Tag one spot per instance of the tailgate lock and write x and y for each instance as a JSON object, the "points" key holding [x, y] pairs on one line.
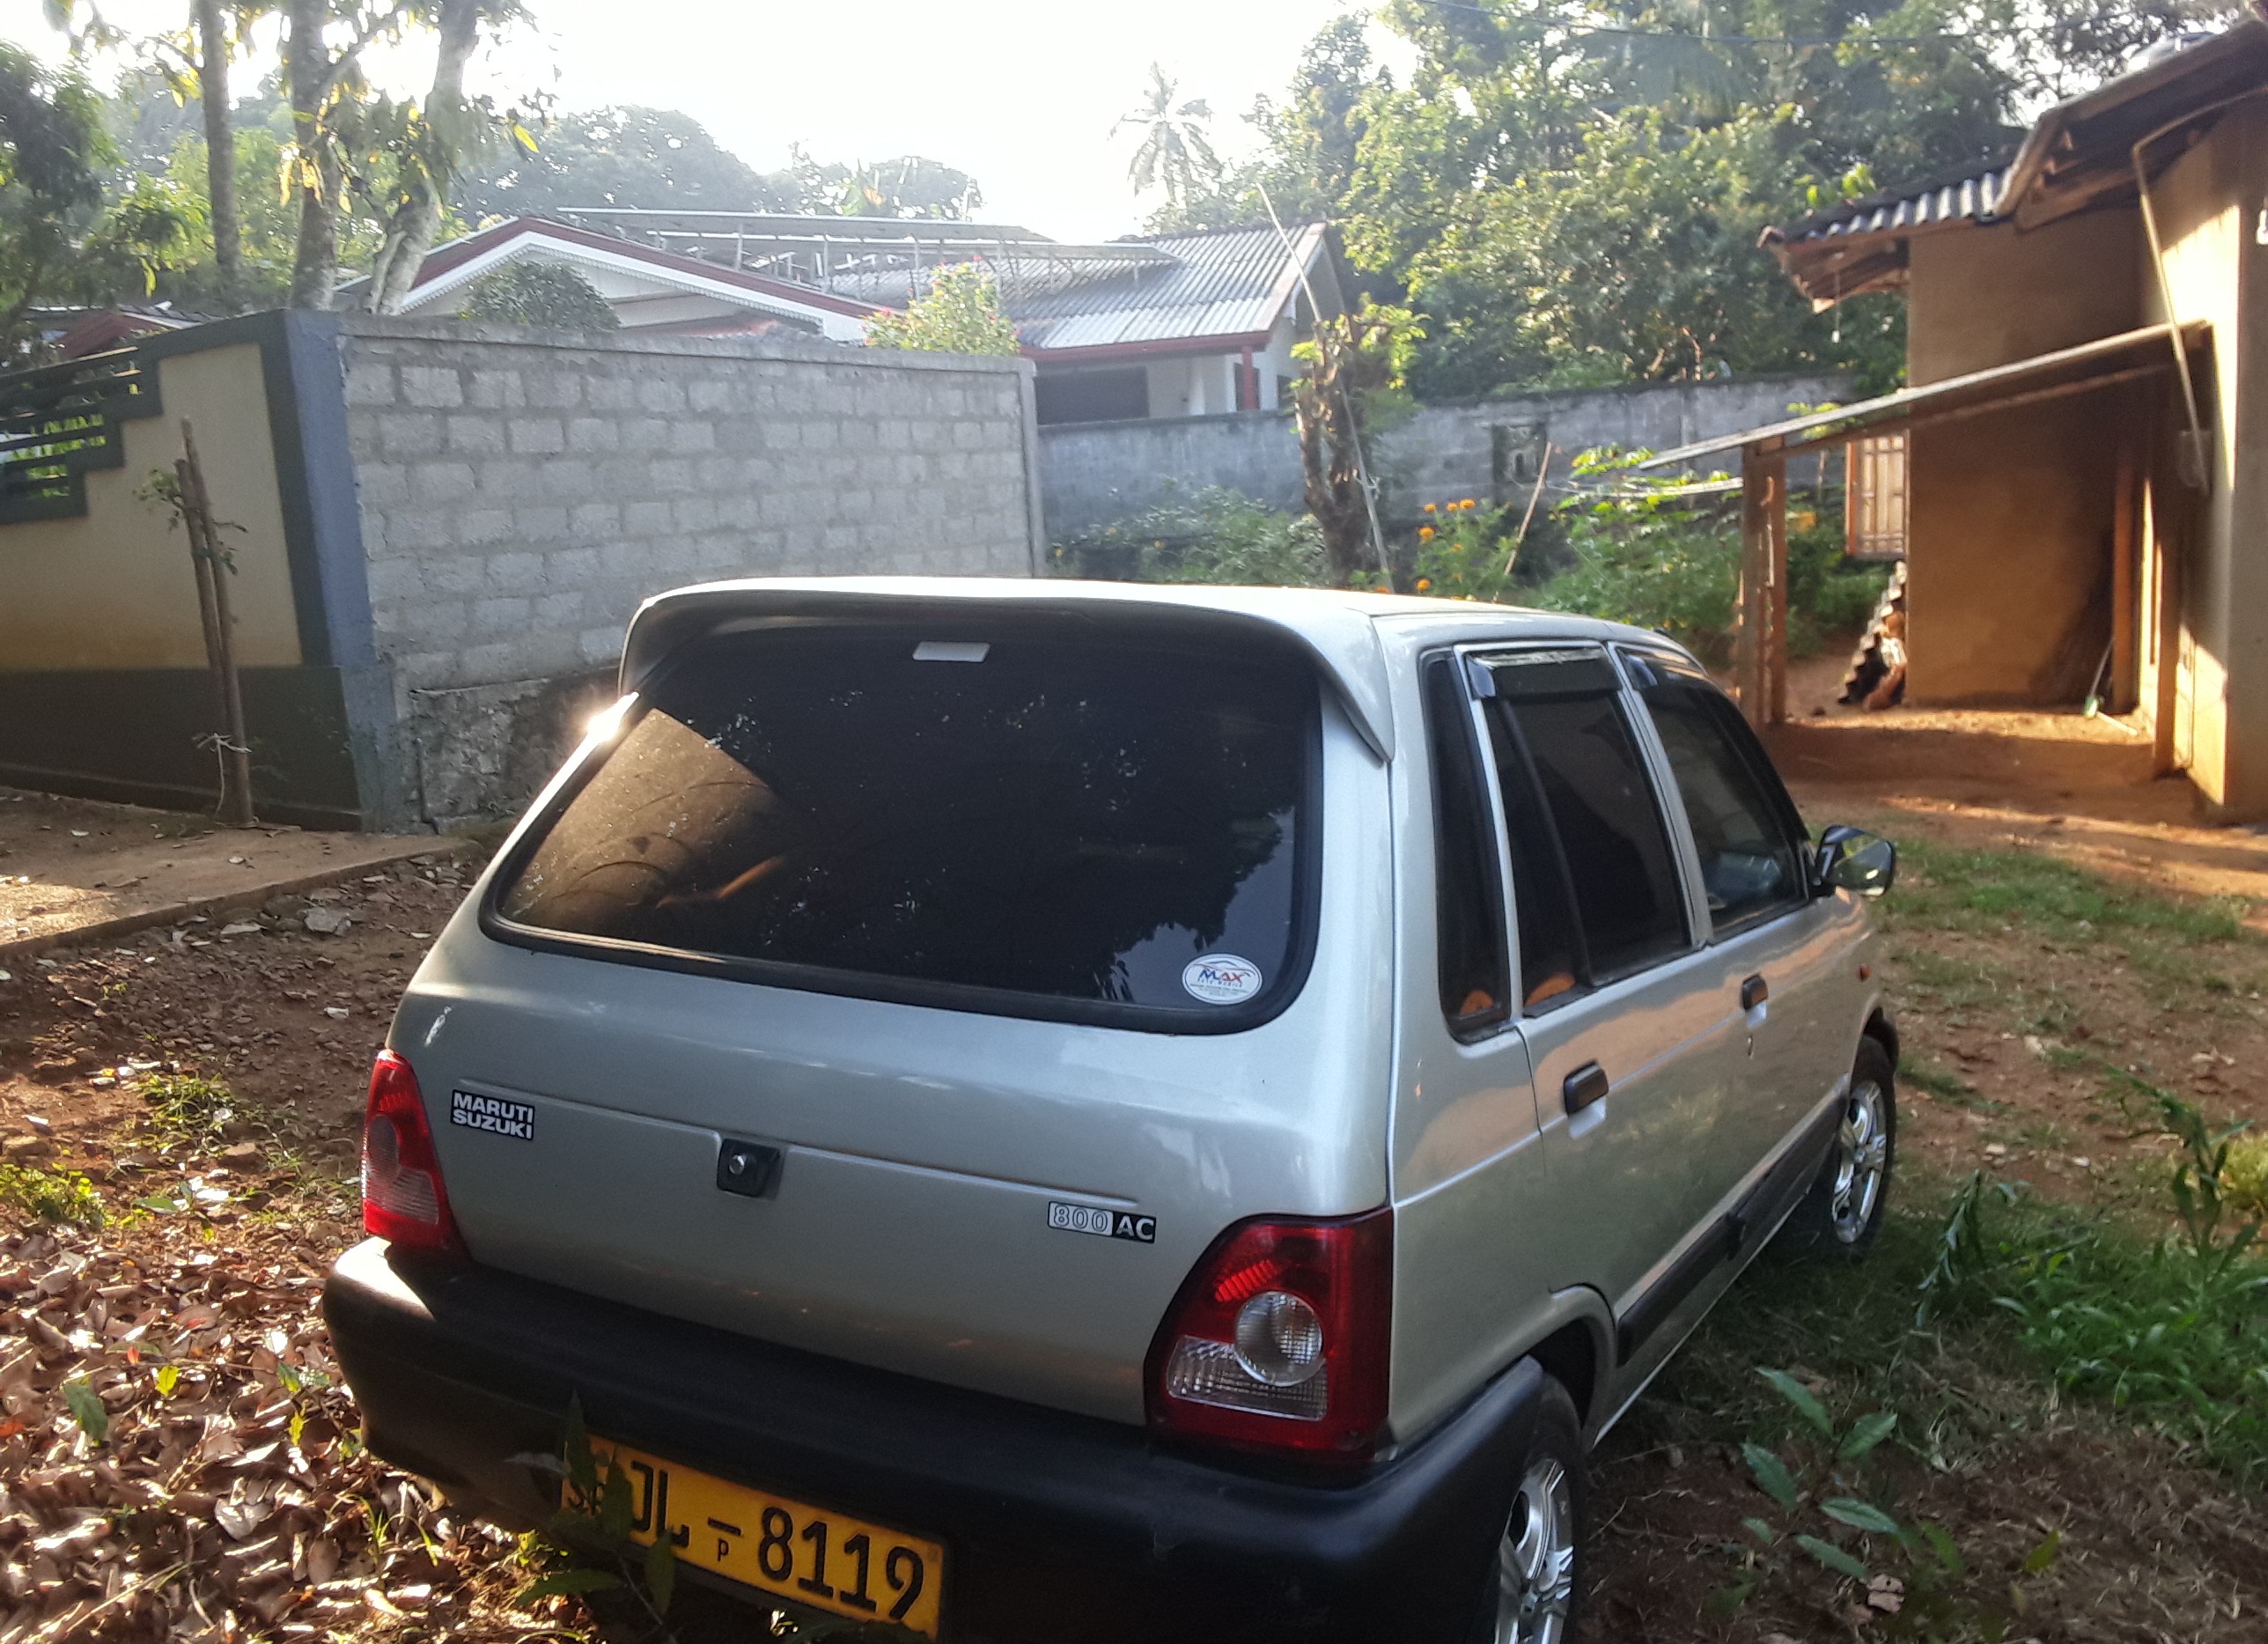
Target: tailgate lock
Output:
{"points": [[749, 1168]]}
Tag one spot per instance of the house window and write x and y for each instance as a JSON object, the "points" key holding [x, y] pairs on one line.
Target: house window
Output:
{"points": [[1093, 396], [1874, 498]]}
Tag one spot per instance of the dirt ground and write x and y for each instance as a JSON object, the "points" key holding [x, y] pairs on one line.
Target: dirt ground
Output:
{"points": [[233, 1502], [70, 868]]}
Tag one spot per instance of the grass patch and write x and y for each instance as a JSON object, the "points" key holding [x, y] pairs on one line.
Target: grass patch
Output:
{"points": [[51, 1196], [1981, 890], [1945, 1085]]}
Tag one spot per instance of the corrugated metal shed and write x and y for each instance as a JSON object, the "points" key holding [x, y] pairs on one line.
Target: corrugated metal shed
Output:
{"points": [[1223, 282]]}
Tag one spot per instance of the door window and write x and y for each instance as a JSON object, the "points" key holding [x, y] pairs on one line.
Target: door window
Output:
{"points": [[1469, 910], [1577, 801], [1749, 863]]}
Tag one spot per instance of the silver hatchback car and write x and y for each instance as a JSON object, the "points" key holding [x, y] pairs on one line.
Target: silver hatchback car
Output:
{"points": [[1030, 1110]]}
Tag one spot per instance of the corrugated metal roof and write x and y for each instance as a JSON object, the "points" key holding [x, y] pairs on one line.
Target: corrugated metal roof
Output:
{"points": [[1972, 198], [1223, 282]]}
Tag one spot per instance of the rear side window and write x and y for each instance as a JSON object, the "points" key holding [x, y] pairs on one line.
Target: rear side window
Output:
{"points": [[1573, 772], [1015, 821], [1740, 827], [1469, 910]]}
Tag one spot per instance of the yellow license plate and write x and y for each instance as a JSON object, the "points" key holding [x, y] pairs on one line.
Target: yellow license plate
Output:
{"points": [[806, 1554]]}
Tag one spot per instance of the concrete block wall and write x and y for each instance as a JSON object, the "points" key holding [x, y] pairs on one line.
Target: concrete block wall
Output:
{"points": [[1096, 474], [519, 493]]}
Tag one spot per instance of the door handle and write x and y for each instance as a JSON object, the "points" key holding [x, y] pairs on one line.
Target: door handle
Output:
{"points": [[1583, 1086], [1754, 992]]}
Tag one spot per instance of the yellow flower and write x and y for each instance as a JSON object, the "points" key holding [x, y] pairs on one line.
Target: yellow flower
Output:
{"points": [[1425, 532], [1468, 503], [1425, 583], [1429, 508]]}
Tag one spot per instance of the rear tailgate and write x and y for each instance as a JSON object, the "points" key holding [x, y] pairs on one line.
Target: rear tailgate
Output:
{"points": [[999, 1184]]}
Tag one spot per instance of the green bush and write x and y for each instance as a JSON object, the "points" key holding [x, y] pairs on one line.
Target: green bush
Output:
{"points": [[547, 294], [1216, 536], [1650, 557]]}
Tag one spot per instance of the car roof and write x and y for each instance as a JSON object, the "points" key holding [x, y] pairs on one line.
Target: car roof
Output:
{"points": [[1338, 627]]}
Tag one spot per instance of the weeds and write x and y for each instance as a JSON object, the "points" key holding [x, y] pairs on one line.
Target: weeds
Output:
{"points": [[1909, 1572], [52, 1197], [2167, 1329]]}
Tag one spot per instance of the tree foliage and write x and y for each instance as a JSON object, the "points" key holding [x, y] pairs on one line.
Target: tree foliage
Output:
{"points": [[534, 294], [655, 158], [1569, 196], [959, 314], [63, 237], [1176, 153]]}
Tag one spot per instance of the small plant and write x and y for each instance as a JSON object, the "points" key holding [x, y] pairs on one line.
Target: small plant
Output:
{"points": [[1910, 1572], [53, 1197], [587, 1547], [190, 1108]]}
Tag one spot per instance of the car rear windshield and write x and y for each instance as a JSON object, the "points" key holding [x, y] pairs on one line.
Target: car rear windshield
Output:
{"points": [[1120, 828]]}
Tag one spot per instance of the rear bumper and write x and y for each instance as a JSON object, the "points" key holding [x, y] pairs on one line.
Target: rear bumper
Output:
{"points": [[1050, 1520]]}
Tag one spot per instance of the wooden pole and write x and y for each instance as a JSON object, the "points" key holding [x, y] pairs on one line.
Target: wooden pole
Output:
{"points": [[1542, 473], [2125, 584], [220, 634], [1775, 647], [1750, 639]]}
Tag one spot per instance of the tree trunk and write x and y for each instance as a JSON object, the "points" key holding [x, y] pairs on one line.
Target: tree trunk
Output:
{"points": [[410, 232], [220, 153], [1329, 455], [315, 174]]}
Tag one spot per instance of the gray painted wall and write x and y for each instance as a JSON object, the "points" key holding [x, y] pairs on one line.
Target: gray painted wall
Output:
{"points": [[519, 493], [1095, 474]]}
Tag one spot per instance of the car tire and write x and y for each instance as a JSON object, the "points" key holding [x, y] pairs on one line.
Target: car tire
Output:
{"points": [[1536, 1576], [1842, 1216]]}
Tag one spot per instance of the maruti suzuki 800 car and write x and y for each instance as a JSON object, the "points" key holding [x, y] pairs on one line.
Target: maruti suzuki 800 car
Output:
{"points": [[1038, 1111]]}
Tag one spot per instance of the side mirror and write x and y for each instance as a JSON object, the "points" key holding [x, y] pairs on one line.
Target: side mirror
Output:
{"points": [[1852, 860]]}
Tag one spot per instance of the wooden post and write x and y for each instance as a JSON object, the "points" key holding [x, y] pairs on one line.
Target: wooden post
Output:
{"points": [[1752, 641], [2125, 583], [213, 572], [1760, 650], [1775, 647]]}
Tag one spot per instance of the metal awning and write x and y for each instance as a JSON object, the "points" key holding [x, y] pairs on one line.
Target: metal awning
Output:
{"points": [[2090, 365]]}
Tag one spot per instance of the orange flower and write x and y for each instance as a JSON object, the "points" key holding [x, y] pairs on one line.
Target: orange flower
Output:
{"points": [[1429, 508], [1425, 583], [1468, 503], [1424, 532]]}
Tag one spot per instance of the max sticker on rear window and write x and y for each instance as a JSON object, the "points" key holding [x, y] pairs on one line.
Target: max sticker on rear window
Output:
{"points": [[493, 1114], [1221, 979]]}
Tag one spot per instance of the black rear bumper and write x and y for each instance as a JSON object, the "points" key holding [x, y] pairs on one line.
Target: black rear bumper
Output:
{"points": [[1055, 1525]]}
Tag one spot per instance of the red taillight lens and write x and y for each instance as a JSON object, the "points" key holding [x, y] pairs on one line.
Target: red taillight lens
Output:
{"points": [[1278, 1340], [402, 1199]]}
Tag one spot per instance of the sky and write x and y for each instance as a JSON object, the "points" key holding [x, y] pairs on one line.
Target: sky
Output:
{"points": [[1020, 93]]}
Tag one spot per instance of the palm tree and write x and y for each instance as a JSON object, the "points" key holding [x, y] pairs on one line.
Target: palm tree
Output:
{"points": [[1174, 153]]}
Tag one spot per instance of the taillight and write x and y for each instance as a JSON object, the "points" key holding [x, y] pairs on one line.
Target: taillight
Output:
{"points": [[402, 1199], [1279, 1339]]}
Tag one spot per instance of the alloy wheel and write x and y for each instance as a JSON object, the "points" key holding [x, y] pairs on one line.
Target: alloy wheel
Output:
{"points": [[1862, 1152], [1536, 1564]]}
